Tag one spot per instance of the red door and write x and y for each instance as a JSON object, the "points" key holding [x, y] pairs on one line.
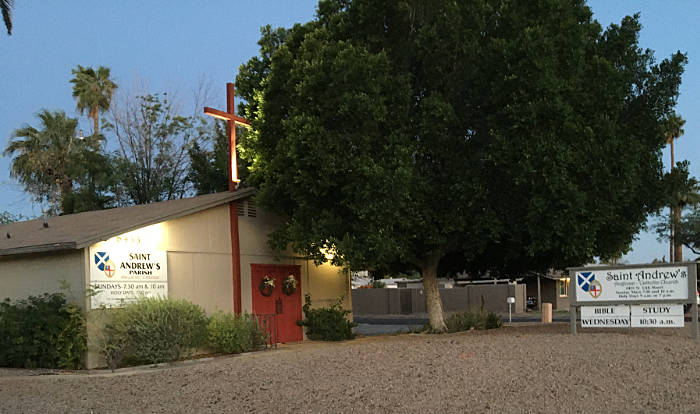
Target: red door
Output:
{"points": [[286, 306]]}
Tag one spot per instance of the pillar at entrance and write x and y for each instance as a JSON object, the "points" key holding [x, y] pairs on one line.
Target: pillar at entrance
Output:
{"points": [[546, 313]]}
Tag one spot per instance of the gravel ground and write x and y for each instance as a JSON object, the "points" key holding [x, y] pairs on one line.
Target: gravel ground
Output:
{"points": [[523, 368]]}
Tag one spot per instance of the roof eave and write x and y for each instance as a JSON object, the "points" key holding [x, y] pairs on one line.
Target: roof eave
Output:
{"points": [[41, 248], [237, 195]]}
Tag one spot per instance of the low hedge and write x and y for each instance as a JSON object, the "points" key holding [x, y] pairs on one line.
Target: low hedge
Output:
{"points": [[480, 319], [42, 332], [151, 330], [233, 334]]}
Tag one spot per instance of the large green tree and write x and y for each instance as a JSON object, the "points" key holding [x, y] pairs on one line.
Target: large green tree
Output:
{"points": [[498, 136], [93, 91]]}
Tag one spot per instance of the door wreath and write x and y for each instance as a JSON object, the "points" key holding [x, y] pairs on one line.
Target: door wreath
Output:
{"points": [[289, 285], [267, 285]]}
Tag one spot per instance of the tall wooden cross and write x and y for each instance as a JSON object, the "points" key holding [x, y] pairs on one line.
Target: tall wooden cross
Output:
{"points": [[231, 120]]}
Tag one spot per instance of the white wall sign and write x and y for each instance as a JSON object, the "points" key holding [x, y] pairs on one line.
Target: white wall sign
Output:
{"points": [[616, 316], [121, 274], [632, 284], [657, 316]]}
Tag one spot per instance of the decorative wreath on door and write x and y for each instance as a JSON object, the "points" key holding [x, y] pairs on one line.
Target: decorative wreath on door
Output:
{"points": [[267, 285], [289, 285]]}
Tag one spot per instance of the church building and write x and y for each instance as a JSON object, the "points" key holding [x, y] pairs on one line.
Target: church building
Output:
{"points": [[211, 250]]}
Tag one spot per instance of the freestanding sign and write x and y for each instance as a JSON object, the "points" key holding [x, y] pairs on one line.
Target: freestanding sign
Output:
{"points": [[634, 296], [632, 284], [121, 275]]}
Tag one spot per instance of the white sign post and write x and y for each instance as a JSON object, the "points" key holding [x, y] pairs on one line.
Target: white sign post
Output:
{"points": [[511, 301], [122, 275]]}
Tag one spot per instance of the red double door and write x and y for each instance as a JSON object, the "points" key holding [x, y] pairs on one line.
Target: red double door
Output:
{"points": [[286, 307]]}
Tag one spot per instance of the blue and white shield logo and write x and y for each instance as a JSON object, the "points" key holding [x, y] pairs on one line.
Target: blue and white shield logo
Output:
{"points": [[584, 280], [101, 259]]}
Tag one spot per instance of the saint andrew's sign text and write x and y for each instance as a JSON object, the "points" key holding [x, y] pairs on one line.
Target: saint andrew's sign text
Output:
{"points": [[121, 275], [632, 284]]}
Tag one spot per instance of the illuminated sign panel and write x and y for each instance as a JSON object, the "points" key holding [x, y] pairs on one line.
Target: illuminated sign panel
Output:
{"points": [[125, 268]]}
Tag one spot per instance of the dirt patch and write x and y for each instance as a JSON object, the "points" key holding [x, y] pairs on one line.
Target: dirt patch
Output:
{"points": [[531, 368]]}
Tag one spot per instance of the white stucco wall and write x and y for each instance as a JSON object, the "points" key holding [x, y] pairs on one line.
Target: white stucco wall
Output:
{"points": [[198, 250], [35, 274]]}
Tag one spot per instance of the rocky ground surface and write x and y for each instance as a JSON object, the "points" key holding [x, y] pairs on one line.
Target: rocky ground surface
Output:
{"points": [[523, 368]]}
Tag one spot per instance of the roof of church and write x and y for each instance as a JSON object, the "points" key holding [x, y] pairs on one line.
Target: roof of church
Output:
{"points": [[75, 231]]}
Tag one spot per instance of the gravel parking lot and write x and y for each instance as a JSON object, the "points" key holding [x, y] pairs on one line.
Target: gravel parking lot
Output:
{"points": [[524, 368]]}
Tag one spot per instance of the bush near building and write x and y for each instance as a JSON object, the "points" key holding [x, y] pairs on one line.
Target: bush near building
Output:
{"points": [[42, 332], [480, 319], [152, 330], [327, 324], [233, 334]]}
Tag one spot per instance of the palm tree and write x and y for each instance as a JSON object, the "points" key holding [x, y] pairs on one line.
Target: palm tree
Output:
{"points": [[93, 91], [681, 192], [674, 129], [42, 157], [6, 7]]}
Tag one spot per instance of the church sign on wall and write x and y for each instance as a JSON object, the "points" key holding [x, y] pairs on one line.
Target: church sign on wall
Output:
{"points": [[120, 275]]}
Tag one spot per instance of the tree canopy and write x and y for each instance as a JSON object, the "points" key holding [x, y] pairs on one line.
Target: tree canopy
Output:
{"points": [[505, 136], [93, 91]]}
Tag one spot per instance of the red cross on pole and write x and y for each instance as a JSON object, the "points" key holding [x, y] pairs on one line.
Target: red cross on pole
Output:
{"points": [[231, 120]]}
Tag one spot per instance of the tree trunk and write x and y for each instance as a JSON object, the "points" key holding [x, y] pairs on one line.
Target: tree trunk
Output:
{"points": [[96, 119], [677, 245], [672, 253], [432, 294]]}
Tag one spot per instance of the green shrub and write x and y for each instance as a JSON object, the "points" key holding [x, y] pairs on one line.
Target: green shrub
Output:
{"points": [[377, 284], [327, 324], [152, 330], [473, 320], [233, 334], [42, 332]]}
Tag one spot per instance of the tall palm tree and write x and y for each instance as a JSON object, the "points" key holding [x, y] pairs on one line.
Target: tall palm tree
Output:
{"points": [[6, 8], [674, 129], [93, 91], [41, 160], [682, 191]]}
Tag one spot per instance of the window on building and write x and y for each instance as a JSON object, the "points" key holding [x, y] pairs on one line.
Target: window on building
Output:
{"points": [[563, 287]]}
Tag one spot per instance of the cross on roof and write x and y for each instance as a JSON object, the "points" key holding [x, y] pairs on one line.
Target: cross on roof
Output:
{"points": [[231, 120]]}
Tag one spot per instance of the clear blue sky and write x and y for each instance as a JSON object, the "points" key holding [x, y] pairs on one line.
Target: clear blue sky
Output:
{"points": [[171, 45]]}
